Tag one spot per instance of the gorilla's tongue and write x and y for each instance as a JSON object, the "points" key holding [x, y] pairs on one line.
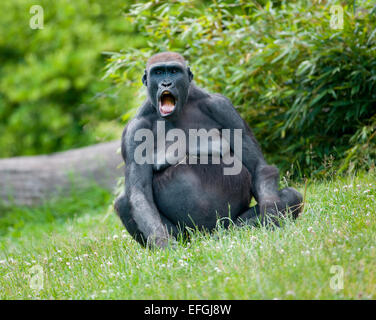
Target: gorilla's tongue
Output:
{"points": [[167, 103]]}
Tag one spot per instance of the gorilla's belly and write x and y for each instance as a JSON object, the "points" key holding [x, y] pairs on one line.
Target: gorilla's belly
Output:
{"points": [[196, 195]]}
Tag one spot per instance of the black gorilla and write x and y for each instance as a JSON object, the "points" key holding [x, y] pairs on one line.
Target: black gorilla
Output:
{"points": [[166, 192]]}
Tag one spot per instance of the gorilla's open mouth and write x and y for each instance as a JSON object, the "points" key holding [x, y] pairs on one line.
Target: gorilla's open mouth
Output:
{"points": [[166, 103]]}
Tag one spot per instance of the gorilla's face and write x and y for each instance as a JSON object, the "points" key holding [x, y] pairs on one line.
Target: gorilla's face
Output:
{"points": [[168, 85]]}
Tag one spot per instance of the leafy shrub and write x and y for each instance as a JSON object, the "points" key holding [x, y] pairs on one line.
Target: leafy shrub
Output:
{"points": [[51, 93], [306, 89]]}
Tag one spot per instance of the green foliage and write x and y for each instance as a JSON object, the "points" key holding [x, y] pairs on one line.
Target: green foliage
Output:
{"points": [[51, 93], [306, 89]]}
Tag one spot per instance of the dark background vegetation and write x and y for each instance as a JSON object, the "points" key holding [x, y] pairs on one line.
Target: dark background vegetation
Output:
{"points": [[307, 90]]}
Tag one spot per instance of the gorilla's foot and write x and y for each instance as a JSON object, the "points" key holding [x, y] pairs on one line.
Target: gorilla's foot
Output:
{"points": [[293, 200], [290, 201]]}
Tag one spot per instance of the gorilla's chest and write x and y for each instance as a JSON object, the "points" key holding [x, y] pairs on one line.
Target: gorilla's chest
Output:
{"points": [[199, 141]]}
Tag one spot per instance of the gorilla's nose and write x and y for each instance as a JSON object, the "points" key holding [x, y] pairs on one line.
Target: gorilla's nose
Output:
{"points": [[166, 84]]}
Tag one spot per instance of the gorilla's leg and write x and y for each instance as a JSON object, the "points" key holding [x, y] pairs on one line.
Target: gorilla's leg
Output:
{"points": [[123, 210], [292, 201]]}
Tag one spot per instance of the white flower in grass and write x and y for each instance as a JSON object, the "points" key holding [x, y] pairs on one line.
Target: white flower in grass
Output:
{"points": [[59, 259], [335, 190], [367, 191], [182, 263], [115, 237], [109, 263]]}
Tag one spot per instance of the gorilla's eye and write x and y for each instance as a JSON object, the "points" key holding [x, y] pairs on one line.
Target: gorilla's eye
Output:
{"points": [[174, 71], [158, 72]]}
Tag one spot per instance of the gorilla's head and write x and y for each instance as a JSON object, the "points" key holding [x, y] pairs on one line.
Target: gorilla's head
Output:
{"points": [[167, 79]]}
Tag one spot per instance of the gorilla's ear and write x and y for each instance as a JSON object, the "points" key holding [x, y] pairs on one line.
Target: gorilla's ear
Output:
{"points": [[190, 74], [144, 78]]}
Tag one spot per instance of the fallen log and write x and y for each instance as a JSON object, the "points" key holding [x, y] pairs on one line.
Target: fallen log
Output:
{"points": [[30, 180]]}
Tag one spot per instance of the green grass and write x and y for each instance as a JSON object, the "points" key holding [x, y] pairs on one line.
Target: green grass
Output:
{"points": [[86, 254]]}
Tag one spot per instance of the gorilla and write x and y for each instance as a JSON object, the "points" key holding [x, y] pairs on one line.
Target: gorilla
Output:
{"points": [[165, 194]]}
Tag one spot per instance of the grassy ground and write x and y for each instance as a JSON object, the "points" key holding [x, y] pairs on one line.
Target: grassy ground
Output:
{"points": [[83, 253]]}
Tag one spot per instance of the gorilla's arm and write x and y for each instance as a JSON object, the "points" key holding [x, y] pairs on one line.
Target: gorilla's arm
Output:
{"points": [[139, 193], [265, 178]]}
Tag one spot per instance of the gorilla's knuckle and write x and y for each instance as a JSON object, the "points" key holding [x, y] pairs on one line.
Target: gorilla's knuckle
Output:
{"points": [[293, 193]]}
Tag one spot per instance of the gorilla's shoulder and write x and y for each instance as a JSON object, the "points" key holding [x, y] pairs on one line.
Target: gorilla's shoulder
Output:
{"points": [[143, 119], [198, 94], [145, 111], [219, 98]]}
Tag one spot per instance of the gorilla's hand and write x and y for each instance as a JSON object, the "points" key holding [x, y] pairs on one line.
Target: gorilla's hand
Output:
{"points": [[160, 239], [271, 210]]}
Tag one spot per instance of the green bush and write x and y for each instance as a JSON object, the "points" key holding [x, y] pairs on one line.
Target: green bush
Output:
{"points": [[306, 89], [51, 93]]}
